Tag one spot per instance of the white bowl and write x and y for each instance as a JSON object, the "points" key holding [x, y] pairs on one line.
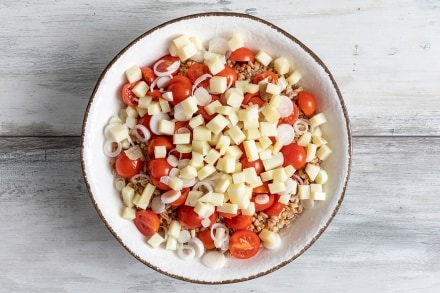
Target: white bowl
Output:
{"points": [[259, 34]]}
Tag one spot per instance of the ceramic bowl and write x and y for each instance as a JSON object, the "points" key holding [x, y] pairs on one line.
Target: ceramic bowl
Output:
{"points": [[258, 34]]}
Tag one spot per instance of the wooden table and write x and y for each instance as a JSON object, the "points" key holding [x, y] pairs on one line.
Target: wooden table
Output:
{"points": [[385, 55]]}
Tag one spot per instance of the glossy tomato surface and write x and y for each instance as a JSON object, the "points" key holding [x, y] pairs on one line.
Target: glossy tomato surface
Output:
{"points": [[127, 168], [244, 244], [147, 222]]}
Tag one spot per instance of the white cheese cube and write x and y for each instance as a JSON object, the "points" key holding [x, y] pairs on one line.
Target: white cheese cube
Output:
{"points": [[217, 124], [317, 131], [264, 140], [154, 108], [205, 171], [304, 191], [164, 106], [175, 183], [128, 213], [276, 187], [315, 187], [263, 57], [224, 110], [236, 191], [140, 89], [145, 198], [215, 64], [181, 41], [156, 240], [312, 171], [252, 133], [181, 138], [160, 151], [234, 97], [236, 134], [233, 151], [276, 161], [118, 133], [218, 84], [230, 208], [196, 121], [196, 160], [311, 152], [279, 175], [201, 133], [189, 172], [193, 197], [189, 105], [318, 195], [168, 96], [304, 139], [174, 229], [184, 148], [271, 114], [214, 198], [133, 74], [250, 210], [267, 175], [265, 154], [233, 119], [235, 42], [223, 143], [171, 243], [317, 120], [281, 65], [322, 177], [252, 88], [166, 127], [284, 198], [251, 150], [204, 210], [187, 51], [324, 152], [294, 78], [238, 177], [273, 89], [222, 185], [228, 165], [290, 170], [212, 156], [318, 140], [127, 194], [200, 146], [241, 85], [144, 101]]}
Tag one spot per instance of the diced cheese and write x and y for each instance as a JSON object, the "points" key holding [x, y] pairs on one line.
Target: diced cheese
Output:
{"points": [[153, 108], [144, 101], [276, 161], [156, 240], [271, 114], [189, 105], [140, 89], [279, 175], [164, 106], [233, 151], [294, 78], [214, 198], [166, 127], [225, 110], [267, 175], [264, 140], [318, 195], [187, 51], [227, 164], [235, 42], [193, 197], [250, 150], [317, 120], [250, 210], [171, 243], [304, 191], [118, 133], [312, 171], [315, 187], [189, 172], [217, 124], [201, 133], [290, 170], [276, 187], [200, 146], [234, 97], [238, 177], [174, 229], [215, 64], [230, 208], [222, 185], [181, 41], [196, 121], [251, 88], [218, 84], [252, 133], [284, 198], [204, 210], [145, 198], [311, 152], [281, 65], [304, 139], [184, 148], [263, 57], [265, 154], [212, 156], [160, 151], [272, 89], [322, 177], [223, 143], [128, 213], [127, 194], [181, 138], [236, 134], [324, 152], [205, 171], [133, 74], [196, 160], [175, 183]]}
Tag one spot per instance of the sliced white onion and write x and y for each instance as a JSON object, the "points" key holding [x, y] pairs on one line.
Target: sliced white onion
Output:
{"points": [[202, 96], [186, 252], [163, 81], [189, 182], [119, 183], [182, 130], [183, 163], [218, 45], [179, 113], [173, 161], [184, 236], [108, 146], [285, 133], [298, 179], [203, 184], [262, 198], [155, 119], [199, 248], [164, 179], [157, 205], [286, 107], [220, 234], [214, 259], [170, 69], [170, 196], [300, 126], [200, 79], [275, 244], [146, 135]]}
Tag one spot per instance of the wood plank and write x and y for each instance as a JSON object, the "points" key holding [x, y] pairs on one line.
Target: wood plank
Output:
{"points": [[384, 238], [384, 54]]}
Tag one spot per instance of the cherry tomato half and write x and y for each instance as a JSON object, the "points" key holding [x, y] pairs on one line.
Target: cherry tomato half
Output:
{"points": [[271, 76], [229, 73], [127, 168], [205, 237], [205, 114], [291, 119], [160, 140], [195, 71], [181, 89], [294, 155], [128, 97], [147, 222], [253, 99], [276, 208], [244, 244], [163, 64], [264, 188], [262, 206], [182, 199], [190, 219], [307, 102], [159, 185], [238, 222], [159, 167], [242, 54], [148, 75], [257, 164]]}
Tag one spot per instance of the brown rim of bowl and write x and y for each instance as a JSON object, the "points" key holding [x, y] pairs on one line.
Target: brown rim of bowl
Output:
{"points": [[341, 101]]}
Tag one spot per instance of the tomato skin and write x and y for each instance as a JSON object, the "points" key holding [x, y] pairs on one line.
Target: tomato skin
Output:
{"points": [[160, 140], [127, 168], [205, 114], [205, 237], [180, 89], [159, 185], [271, 76], [291, 119], [238, 222], [182, 199], [262, 207], [257, 164], [155, 94], [242, 54], [190, 219], [148, 75], [195, 71], [264, 188], [229, 73], [147, 222], [294, 155], [276, 208], [244, 244], [307, 103], [159, 167], [253, 99], [166, 61], [128, 97]]}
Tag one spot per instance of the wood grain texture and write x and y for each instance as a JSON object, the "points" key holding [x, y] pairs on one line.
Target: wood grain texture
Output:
{"points": [[384, 239], [383, 54]]}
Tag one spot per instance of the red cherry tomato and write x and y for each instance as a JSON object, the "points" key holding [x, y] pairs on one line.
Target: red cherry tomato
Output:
{"points": [[205, 237], [162, 65], [244, 244], [229, 73], [127, 168], [242, 54], [205, 114], [294, 155], [155, 94], [190, 219], [148, 75], [181, 89], [307, 103], [181, 200], [264, 188], [238, 222], [291, 118], [226, 215], [195, 71], [128, 97], [160, 140], [182, 79], [276, 208], [159, 167], [262, 206], [159, 185], [147, 222], [271, 76], [257, 164], [253, 99]]}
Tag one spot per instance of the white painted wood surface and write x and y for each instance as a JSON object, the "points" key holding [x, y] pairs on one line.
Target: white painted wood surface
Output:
{"points": [[385, 55]]}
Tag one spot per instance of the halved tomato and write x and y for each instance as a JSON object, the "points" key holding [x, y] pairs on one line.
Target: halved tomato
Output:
{"points": [[242, 54], [244, 244]]}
